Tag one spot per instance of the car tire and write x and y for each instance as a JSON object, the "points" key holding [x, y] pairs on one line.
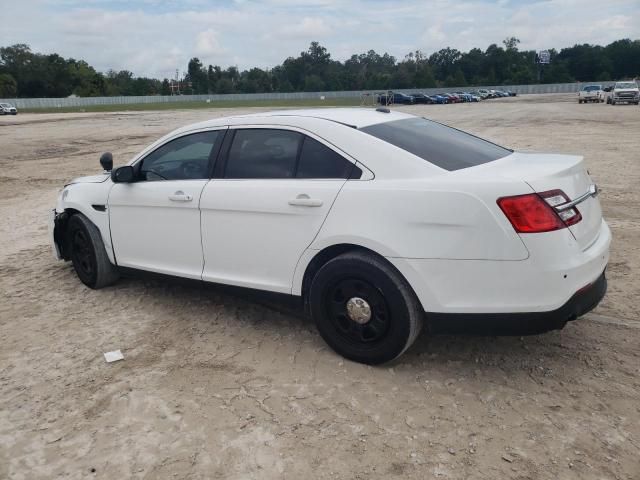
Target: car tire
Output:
{"points": [[88, 254], [353, 285]]}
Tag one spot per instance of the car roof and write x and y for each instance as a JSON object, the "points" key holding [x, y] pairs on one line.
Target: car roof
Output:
{"points": [[352, 117]]}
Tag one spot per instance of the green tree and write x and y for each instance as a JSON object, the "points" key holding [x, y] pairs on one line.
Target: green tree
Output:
{"points": [[8, 86]]}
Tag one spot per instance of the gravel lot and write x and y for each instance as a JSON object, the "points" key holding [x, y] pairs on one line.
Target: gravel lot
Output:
{"points": [[219, 384]]}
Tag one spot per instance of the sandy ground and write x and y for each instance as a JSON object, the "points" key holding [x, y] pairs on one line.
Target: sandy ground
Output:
{"points": [[218, 385]]}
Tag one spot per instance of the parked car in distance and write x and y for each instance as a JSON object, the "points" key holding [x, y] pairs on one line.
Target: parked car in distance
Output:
{"points": [[396, 98], [451, 98], [441, 99], [485, 94], [623, 92], [421, 98], [462, 96], [8, 109], [589, 93], [602, 94], [377, 220]]}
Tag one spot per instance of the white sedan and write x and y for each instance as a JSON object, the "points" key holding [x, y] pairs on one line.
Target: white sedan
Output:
{"points": [[380, 221]]}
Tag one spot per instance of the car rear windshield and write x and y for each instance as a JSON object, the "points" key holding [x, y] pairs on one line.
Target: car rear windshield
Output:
{"points": [[443, 146]]}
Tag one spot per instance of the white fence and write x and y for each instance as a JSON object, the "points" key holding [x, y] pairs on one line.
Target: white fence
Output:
{"points": [[90, 101]]}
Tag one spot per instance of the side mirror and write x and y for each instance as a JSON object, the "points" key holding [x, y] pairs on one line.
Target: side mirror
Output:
{"points": [[106, 160], [123, 174]]}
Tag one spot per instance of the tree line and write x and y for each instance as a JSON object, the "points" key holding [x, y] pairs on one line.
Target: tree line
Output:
{"points": [[24, 73]]}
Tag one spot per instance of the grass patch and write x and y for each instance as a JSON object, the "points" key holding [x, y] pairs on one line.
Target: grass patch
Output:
{"points": [[182, 105]]}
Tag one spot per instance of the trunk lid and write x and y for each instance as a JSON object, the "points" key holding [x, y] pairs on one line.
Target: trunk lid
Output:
{"points": [[544, 172]]}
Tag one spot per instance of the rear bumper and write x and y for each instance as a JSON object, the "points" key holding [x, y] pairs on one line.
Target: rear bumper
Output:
{"points": [[527, 323], [556, 269]]}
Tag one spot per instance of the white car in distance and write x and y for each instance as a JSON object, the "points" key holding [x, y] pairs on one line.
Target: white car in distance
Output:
{"points": [[379, 221], [8, 109], [590, 93]]}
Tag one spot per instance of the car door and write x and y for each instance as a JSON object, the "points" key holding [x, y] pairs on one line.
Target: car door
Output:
{"points": [[155, 220], [268, 201]]}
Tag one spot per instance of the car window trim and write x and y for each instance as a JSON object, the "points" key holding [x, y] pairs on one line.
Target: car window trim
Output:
{"points": [[223, 157]]}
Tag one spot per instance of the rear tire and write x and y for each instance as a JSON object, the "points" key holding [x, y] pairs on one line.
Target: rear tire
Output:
{"points": [[364, 309], [88, 254]]}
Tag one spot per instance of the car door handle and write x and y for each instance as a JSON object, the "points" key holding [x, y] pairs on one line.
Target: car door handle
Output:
{"points": [[303, 200], [180, 196]]}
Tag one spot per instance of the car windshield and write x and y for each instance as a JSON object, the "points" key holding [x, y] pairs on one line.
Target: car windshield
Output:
{"points": [[5, 105], [443, 146], [626, 85], [591, 88]]}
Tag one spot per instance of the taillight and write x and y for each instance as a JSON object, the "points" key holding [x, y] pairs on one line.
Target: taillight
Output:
{"points": [[556, 198], [537, 213]]}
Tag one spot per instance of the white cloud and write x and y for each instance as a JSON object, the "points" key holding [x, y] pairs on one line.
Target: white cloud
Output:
{"points": [[154, 37], [307, 28], [207, 44]]}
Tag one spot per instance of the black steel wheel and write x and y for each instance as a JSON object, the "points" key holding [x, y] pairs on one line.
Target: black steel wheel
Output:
{"points": [[88, 254], [364, 309], [357, 310], [82, 254]]}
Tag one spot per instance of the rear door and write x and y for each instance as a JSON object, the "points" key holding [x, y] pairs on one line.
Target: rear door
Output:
{"points": [[274, 190]]}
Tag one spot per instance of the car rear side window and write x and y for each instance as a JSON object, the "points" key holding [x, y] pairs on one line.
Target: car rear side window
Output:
{"points": [[274, 153], [318, 161], [438, 144], [263, 153]]}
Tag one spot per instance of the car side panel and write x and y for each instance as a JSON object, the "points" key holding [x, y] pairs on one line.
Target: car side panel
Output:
{"points": [[422, 219]]}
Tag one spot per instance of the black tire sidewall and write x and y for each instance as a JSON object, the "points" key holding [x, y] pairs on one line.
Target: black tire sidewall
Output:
{"points": [[399, 332], [75, 224]]}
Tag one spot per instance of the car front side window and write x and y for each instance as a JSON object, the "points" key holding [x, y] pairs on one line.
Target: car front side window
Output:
{"points": [[185, 158]]}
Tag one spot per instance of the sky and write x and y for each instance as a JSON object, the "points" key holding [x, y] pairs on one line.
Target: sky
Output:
{"points": [[156, 37]]}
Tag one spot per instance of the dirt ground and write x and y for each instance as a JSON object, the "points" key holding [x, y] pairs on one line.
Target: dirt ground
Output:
{"points": [[218, 385]]}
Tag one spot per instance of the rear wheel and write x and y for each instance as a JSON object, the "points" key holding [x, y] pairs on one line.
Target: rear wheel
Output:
{"points": [[88, 253], [364, 309]]}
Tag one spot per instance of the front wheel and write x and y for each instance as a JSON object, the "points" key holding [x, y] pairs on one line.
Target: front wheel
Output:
{"points": [[88, 254], [364, 309]]}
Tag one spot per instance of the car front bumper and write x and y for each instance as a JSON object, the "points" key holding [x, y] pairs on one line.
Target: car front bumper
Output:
{"points": [[626, 99], [51, 224]]}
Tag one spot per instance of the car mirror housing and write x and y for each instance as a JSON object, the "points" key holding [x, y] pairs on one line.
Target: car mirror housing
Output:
{"points": [[106, 160], [123, 174]]}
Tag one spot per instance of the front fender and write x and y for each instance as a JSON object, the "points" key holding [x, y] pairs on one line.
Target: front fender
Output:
{"points": [[90, 199]]}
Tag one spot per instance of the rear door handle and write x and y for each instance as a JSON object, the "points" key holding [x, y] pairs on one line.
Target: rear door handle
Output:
{"points": [[180, 196], [303, 200]]}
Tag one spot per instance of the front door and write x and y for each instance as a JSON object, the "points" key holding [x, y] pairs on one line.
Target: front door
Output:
{"points": [[275, 191], [155, 221]]}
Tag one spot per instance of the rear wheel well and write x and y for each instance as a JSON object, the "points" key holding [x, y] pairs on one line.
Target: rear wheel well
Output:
{"points": [[329, 253]]}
